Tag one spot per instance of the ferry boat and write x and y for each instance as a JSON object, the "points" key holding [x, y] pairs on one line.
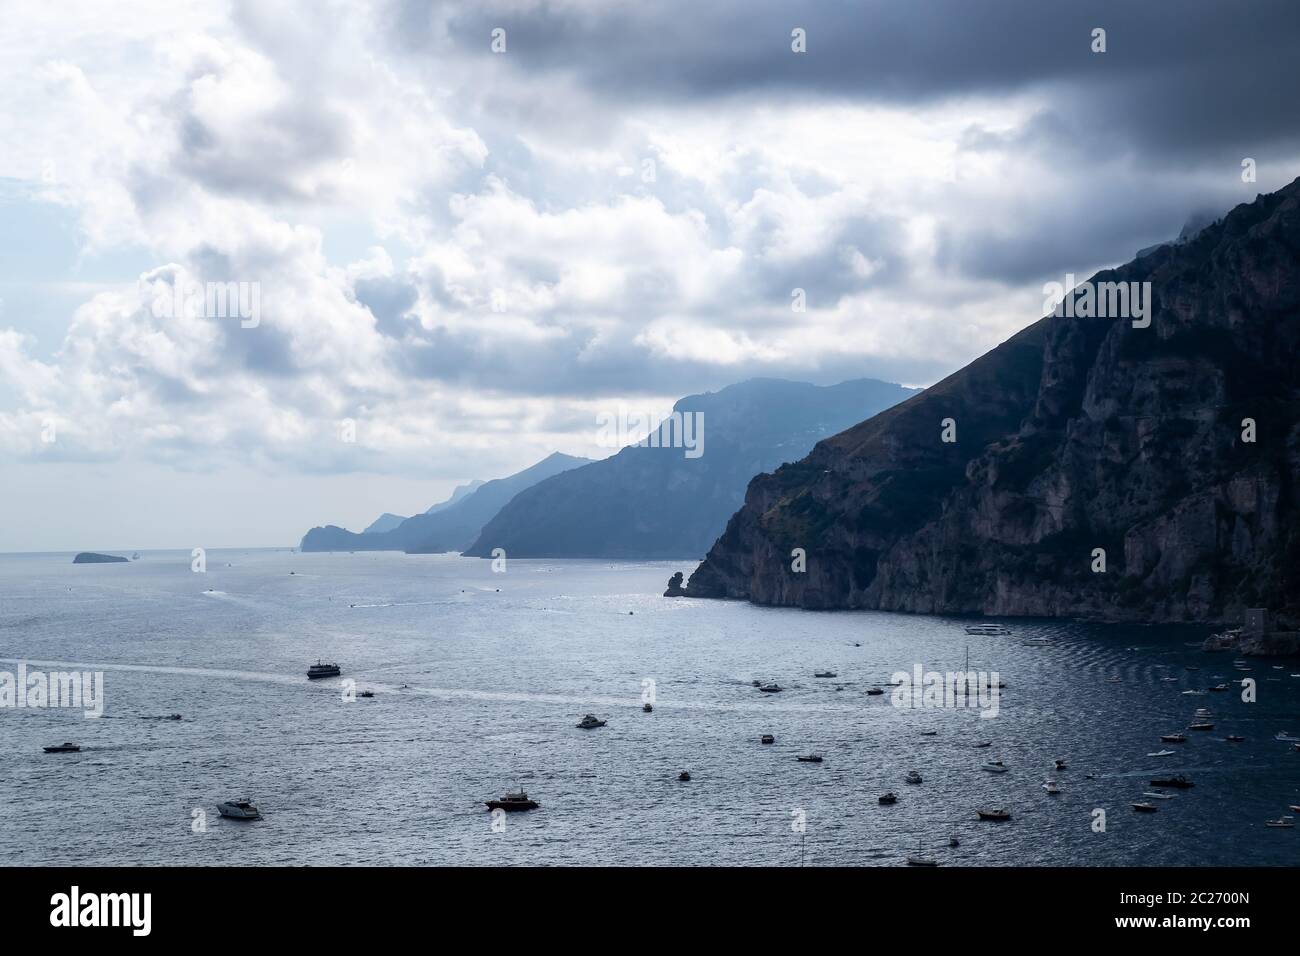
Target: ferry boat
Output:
{"points": [[987, 630], [239, 810], [323, 670]]}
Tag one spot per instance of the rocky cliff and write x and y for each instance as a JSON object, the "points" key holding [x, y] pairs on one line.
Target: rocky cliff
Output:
{"points": [[661, 502], [1076, 434]]}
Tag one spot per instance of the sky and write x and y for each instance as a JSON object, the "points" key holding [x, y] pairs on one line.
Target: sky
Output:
{"points": [[463, 232]]}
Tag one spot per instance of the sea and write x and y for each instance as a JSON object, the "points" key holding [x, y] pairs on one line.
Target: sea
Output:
{"points": [[480, 675]]}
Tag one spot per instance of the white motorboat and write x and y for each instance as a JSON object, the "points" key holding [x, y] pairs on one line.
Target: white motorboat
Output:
{"points": [[1285, 737], [1286, 822], [1159, 795], [995, 766], [1161, 753], [239, 810]]}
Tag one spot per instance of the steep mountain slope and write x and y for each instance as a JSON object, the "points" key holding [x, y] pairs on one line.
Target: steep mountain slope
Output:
{"points": [[1075, 434], [449, 528], [655, 502]]}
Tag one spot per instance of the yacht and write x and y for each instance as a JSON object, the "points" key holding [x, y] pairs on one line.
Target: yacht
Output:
{"points": [[1173, 738], [1145, 807], [994, 813], [513, 801], [912, 777], [995, 766], [1178, 782], [987, 630], [67, 747], [323, 670], [770, 688], [1051, 787], [809, 758], [889, 797], [590, 722], [239, 810]]}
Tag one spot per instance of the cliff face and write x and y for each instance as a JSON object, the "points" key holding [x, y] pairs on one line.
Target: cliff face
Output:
{"points": [[1075, 434], [655, 502]]}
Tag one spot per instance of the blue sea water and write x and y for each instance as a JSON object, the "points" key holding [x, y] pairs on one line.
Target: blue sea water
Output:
{"points": [[480, 677]]}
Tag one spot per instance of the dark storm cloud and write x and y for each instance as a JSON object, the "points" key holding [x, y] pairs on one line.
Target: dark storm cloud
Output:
{"points": [[1176, 77]]}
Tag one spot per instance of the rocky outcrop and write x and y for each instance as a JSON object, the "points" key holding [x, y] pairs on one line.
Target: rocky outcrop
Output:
{"points": [[90, 557], [675, 588], [1077, 434]]}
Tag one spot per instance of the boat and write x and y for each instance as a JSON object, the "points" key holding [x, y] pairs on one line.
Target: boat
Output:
{"points": [[953, 841], [239, 810], [1173, 738], [981, 744], [1201, 726], [1145, 807], [767, 739], [1234, 738], [929, 733], [1193, 693], [1159, 795], [1169, 680], [809, 758], [912, 777], [365, 693], [824, 674], [770, 688], [1178, 782], [1061, 765], [135, 556], [994, 766], [1051, 787], [648, 708], [1035, 642], [684, 776], [1285, 736], [987, 630], [590, 722], [323, 670], [1219, 687], [1295, 807], [874, 691], [889, 797], [1161, 753], [916, 859], [1203, 712], [1287, 821], [996, 813], [67, 747], [512, 802], [1114, 679]]}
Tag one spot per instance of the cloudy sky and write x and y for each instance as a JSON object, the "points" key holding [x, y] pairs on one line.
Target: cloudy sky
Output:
{"points": [[471, 253]]}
